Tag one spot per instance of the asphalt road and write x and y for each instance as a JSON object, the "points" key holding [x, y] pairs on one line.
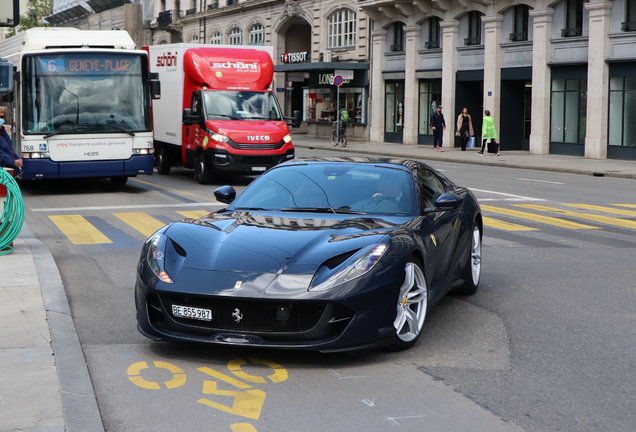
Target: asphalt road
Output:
{"points": [[548, 342]]}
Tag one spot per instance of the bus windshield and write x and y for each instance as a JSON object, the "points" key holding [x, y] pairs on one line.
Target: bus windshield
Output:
{"points": [[241, 105], [84, 93]]}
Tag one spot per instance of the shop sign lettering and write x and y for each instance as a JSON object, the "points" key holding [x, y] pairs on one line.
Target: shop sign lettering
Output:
{"points": [[297, 57], [328, 79]]}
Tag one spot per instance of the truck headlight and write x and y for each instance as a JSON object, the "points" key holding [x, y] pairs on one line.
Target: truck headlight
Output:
{"points": [[219, 137], [287, 139]]}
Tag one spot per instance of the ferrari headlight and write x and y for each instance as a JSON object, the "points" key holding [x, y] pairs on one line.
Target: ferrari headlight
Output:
{"points": [[360, 263], [156, 257], [219, 137], [287, 138]]}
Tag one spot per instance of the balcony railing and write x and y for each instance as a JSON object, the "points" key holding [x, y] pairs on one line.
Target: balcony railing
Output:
{"points": [[164, 18], [571, 32], [472, 41], [431, 44], [232, 2], [190, 11], [214, 5], [518, 37], [396, 47], [628, 26]]}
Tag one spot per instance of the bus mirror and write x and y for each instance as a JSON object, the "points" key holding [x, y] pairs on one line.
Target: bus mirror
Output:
{"points": [[155, 89], [6, 76], [10, 13]]}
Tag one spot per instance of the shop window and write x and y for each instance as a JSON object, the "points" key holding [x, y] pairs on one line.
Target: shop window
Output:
{"points": [[622, 111], [573, 18], [433, 33], [569, 110], [394, 107], [235, 36], [520, 21], [257, 35], [342, 29], [319, 104], [429, 98], [630, 15], [216, 38], [397, 30], [474, 29]]}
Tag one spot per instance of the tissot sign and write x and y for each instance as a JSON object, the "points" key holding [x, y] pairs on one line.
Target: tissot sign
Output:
{"points": [[297, 57]]}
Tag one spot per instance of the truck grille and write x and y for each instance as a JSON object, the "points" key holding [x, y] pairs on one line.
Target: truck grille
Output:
{"points": [[264, 146]]}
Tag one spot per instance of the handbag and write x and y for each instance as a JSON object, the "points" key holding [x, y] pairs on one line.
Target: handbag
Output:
{"points": [[470, 142]]}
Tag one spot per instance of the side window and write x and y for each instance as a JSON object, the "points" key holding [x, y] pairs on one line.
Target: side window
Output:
{"points": [[197, 104], [430, 188]]}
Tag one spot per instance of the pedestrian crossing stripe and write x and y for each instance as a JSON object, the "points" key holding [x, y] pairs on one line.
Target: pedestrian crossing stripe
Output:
{"points": [[194, 214], [506, 226], [623, 223], [78, 230], [604, 209], [142, 222], [537, 218]]}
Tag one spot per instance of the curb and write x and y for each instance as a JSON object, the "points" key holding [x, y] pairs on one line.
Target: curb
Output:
{"points": [[79, 404]]}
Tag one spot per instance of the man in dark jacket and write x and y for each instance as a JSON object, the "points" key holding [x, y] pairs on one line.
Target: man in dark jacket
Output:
{"points": [[7, 156], [439, 126]]}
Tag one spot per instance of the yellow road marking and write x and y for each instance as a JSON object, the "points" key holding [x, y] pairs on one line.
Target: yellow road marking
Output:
{"points": [[142, 222], [78, 230], [279, 375], [537, 218], [626, 205], [194, 214], [174, 190], [596, 218], [506, 226], [242, 427], [134, 375], [604, 209]]}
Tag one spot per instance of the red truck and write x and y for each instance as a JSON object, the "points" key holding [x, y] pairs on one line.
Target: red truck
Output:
{"points": [[217, 113]]}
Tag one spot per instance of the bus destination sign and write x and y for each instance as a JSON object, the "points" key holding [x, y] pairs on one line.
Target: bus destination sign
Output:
{"points": [[87, 64]]}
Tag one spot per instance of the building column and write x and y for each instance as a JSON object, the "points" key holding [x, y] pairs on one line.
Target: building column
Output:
{"points": [[376, 133], [412, 38], [596, 134], [450, 35], [492, 68], [541, 82]]}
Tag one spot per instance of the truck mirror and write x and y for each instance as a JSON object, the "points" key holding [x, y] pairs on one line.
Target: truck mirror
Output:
{"points": [[187, 116], [155, 89], [294, 121]]}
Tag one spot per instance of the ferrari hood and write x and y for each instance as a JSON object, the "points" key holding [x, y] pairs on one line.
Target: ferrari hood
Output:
{"points": [[280, 243]]}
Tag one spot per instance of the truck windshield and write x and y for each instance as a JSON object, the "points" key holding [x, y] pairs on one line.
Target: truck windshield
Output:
{"points": [[241, 105], [84, 93]]}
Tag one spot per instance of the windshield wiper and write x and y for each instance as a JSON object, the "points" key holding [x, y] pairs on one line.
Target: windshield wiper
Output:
{"points": [[62, 131], [320, 210], [255, 118], [221, 115], [250, 208], [114, 126]]}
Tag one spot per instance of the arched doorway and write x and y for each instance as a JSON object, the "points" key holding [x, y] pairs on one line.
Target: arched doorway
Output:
{"points": [[297, 36]]}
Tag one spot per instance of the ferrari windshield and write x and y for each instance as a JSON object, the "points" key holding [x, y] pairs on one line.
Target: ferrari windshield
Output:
{"points": [[84, 93], [241, 105], [331, 188]]}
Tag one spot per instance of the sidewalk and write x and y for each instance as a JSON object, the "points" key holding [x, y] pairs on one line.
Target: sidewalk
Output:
{"points": [[44, 381]]}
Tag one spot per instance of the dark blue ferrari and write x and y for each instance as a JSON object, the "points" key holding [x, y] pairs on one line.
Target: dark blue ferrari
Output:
{"points": [[327, 254]]}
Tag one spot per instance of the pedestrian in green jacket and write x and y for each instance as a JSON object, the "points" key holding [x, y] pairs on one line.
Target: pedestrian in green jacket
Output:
{"points": [[488, 132]]}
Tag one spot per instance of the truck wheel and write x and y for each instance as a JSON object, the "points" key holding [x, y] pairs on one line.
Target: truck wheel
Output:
{"points": [[202, 171], [119, 180], [163, 159]]}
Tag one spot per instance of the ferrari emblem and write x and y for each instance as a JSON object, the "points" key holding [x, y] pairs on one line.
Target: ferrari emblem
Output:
{"points": [[238, 284], [405, 301], [434, 239], [237, 315]]}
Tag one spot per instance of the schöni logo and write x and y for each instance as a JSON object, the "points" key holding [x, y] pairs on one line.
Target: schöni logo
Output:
{"points": [[258, 138], [235, 65], [167, 59]]}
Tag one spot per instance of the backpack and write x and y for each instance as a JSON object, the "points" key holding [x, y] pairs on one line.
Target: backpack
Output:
{"points": [[344, 116]]}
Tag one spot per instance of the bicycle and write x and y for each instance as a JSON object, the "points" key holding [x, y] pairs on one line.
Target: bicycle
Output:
{"points": [[338, 138]]}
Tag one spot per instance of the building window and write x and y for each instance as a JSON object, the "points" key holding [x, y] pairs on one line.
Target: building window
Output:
{"points": [[193, 39], [520, 23], [569, 110], [630, 15], [573, 18], [257, 35], [235, 36], [430, 97], [394, 107], [474, 29], [342, 29], [216, 38], [433, 33], [622, 111], [397, 32]]}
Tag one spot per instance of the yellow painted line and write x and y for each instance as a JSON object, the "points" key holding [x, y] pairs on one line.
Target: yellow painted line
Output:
{"points": [[242, 427], [174, 190], [194, 214], [78, 230], [626, 205], [537, 218], [142, 222], [596, 218], [506, 226], [604, 209]]}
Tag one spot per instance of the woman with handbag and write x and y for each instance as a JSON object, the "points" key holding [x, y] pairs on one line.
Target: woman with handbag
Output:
{"points": [[464, 127], [488, 132]]}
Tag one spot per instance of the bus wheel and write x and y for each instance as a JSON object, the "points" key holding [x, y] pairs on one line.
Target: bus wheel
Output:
{"points": [[163, 160], [119, 180], [202, 171]]}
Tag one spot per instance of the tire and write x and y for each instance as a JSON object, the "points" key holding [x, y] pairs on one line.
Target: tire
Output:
{"points": [[472, 270], [334, 137], [343, 141], [119, 180], [202, 171], [163, 159], [412, 305]]}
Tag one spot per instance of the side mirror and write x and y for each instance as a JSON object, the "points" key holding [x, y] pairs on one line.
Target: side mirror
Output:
{"points": [[225, 194], [189, 118], [155, 89], [448, 202], [294, 121]]}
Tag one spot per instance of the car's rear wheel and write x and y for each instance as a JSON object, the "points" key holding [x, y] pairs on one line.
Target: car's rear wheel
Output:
{"points": [[412, 304], [202, 171], [472, 270]]}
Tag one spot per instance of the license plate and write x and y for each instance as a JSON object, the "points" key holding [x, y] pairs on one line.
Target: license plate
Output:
{"points": [[258, 168], [192, 313]]}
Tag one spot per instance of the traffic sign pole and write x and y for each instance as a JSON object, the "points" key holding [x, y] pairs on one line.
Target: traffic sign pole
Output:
{"points": [[337, 80]]}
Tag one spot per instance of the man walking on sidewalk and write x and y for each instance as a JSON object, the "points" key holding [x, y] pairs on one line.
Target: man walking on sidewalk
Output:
{"points": [[439, 126]]}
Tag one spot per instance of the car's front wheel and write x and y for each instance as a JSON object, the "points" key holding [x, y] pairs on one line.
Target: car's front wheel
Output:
{"points": [[472, 270], [412, 304]]}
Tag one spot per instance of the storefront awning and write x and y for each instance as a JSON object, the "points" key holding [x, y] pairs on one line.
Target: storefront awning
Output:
{"points": [[67, 15], [307, 67], [102, 5]]}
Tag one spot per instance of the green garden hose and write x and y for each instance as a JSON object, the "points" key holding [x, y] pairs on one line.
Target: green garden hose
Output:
{"points": [[12, 216]]}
